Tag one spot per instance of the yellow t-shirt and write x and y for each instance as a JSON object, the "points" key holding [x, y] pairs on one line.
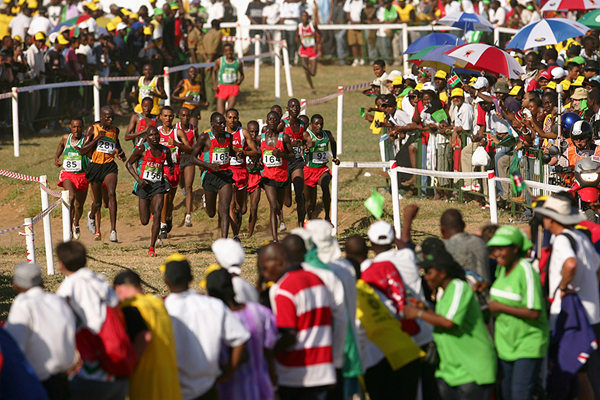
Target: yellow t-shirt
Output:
{"points": [[404, 13], [559, 46], [4, 21], [379, 116], [444, 97], [155, 376]]}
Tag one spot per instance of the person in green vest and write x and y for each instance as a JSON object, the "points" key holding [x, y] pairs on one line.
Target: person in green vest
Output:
{"points": [[230, 71], [467, 360], [522, 333], [316, 171]]}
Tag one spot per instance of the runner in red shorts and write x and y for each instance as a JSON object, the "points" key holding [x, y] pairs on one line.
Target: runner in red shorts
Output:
{"points": [[240, 139], [72, 177], [176, 141], [316, 171], [231, 76], [310, 49], [254, 175]]}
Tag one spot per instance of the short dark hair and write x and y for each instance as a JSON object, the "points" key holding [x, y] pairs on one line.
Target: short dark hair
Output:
{"points": [[150, 99], [127, 277], [379, 62], [234, 110], [594, 96], [72, 254], [551, 53], [214, 116], [216, 24], [553, 96], [586, 39], [315, 117], [228, 44], [536, 100], [277, 107], [253, 122], [168, 108], [571, 65], [452, 220]]}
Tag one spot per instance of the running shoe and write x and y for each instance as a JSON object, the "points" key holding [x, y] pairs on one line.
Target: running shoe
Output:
{"points": [[98, 237], [163, 232], [169, 225], [356, 62], [362, 62], [113, 236], [282, 226], [183, 192], [237, 239], [76, 233], [188, 220], [151, 252], [91, 223]]}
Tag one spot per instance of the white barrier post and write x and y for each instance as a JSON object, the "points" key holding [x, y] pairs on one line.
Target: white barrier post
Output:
{"points": [[395, 199], [404, 47], [256, 62], [97, 98], [340, 119], [288, 71], [302, 106], [167, 86], [47, 228], [492, 197], [239, 46], [15, 121], [496, 39], [29, 241], [66, 216], [335, 172], [278, 77]]}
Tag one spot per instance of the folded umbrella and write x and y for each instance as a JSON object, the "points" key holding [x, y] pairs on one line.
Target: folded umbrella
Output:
{"points": [[433, 39], [482, 57], [546, 32], [467, 22]]}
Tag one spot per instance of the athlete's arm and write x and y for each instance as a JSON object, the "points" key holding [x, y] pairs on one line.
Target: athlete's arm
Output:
{"points": [[135, 157], [161, 90], [89, 143], [298, 40], [333, 147], [61, 148], [131, 134], [308, 140], [199, 147], [177, 90], [170, 164], [240, 72], [214, 73], [289, 152], [184, 144], [251, 144], [118, 149]]}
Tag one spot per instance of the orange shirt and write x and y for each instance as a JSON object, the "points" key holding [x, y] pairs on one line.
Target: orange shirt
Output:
{"points": [[106, 148]]}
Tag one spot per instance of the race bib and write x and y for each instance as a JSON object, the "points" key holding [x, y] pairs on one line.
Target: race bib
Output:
{"points": [[308, 41], [320, 157], [72, 164], [297, 151], [270, 160], [152, 175], [220, 155], [106, 146], [249, 160], [236, 161], [145, 93], [230, 78], [174, 155], [195, 98]]}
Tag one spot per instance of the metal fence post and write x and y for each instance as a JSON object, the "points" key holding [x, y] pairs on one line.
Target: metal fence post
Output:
{"points": [[288, 71], [66, 216], [340, 119], [167, 86], [256, 62]]}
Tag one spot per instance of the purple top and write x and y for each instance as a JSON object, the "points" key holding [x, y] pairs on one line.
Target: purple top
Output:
{"points": [[251, 380]]}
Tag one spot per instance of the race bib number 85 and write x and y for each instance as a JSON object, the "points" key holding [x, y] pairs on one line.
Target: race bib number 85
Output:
{"points": [[72, 165]]}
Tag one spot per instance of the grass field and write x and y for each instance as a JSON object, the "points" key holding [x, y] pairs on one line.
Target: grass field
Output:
{"points": [[19, 199]]}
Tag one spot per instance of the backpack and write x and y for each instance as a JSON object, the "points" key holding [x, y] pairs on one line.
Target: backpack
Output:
{"points": [[111, 347]]}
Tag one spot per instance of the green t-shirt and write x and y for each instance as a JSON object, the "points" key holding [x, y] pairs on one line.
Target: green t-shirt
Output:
{"points": [[516, 337], [466, 350]]}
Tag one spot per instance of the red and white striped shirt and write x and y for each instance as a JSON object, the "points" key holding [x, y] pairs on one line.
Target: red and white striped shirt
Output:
{"points": [[301, 301]]}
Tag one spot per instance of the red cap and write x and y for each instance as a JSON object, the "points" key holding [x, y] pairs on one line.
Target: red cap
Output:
{"points": [[546, 74]]}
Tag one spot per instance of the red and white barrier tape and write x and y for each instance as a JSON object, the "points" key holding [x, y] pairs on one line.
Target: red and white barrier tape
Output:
{"points": [[248, 39], [5, 96], [47, 211], [357, 86], [323, 99], [16, 175], [11, 229], [50, 191]]}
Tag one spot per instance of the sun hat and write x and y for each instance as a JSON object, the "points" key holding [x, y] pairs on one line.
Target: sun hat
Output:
{"points": [[177, 269], [440, 74], [125, 11], [158, 11], [457, 92], [122, 26], [110, 27], [558, 73], [147, 31], [410, 76], [592, 65], [546, 75], [550, 85], [566, 84], [381, 233], [580, 94], [560, 210], [578, 60], [39, 36], [510, 235], [501, 87], [27, 275], [578, 81], [429, 86], [230, 254]]}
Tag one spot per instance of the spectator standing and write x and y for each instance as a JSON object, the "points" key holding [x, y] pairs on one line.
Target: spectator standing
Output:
{"points": [[290, 15], [213, 49], [254, 12], [271, 16], [40, 23], [407, 15], [5, 18], [43, 326], [369, 16], [339, 16], [55, 12], [354, 9], [497, 14], [231, 255], [215, 11], [88, 294], [37, 69], [19, 25], [201, 325], [155, 376], [386, 15]]}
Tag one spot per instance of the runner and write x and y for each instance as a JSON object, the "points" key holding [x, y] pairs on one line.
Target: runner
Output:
{"points": [[139, 123], [102, 144], [176, 141], [316, 171], [150, 183], [217, 178], [188, 170], [276, 149], [310, 37], [231, 76], [149, 86], [295, 129], [241, 139], [254, 175], [189, 91], [72, 177]]}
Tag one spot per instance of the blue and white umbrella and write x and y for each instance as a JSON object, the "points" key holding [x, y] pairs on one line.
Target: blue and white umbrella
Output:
{"points": [[433, 39], [467, 22], [546, 32]]}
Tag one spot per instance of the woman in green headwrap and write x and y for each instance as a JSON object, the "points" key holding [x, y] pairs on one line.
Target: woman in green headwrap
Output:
{"points": [[521, 326]]}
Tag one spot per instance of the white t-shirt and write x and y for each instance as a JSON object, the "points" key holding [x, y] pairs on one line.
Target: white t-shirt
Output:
{"points": [[215, 11], [585, 282], [354, 7], [463, 117], [406, 106], [493, 120], [291, 13], [40, 24], [468, 7], [498, 16], [401, 118], [452, 8], [271, 14], [55, 14], [19, 25]]}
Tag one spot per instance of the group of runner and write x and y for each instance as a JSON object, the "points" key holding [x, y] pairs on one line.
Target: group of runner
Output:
{"points": [[235, 162]]}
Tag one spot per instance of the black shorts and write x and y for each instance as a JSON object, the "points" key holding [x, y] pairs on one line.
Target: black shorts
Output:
{"points": [[154, 188], [298, 163], [273, 183], [98, 172], [214, 181], [184, 161]]}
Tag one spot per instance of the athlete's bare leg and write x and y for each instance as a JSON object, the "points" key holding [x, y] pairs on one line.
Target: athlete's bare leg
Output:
{"points": [[225, 194], [298, 181], [111, 186], [275, 198], [310, 195], [254, 200], [220, 105], [307, 71], [236, 210], [155, 207], [324, 181], [189, 173]]}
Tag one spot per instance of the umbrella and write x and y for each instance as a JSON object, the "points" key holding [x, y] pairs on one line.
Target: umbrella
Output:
{"points": [[467, 22], [546, 32], [71, 22], [591, 19], [434, 57], [482, 57], [437, 38], [570, 5]]}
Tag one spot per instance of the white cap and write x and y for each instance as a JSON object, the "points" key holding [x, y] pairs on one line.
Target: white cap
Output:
{"points": [[480, 83], [410, 76], [429, 86], [81, 50], [121, 26], [558, 73], [381, 233], [230, 254], [53, 37], [392, 75], [479, 99], [83, 25]]}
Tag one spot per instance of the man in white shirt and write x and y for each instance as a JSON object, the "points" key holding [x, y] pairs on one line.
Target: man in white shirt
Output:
{"points": [[201, 325], [19, 25], [462, 116], [55, 12], [497, 14], [88, 294], [289, 14], [37, 67], [43, 326], [215, 11], [231, 255], [271, 16], [40, 23], [353, 10]]}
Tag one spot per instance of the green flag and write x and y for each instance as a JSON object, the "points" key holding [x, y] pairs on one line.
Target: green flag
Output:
{"points": [[375, 204], [440, 115]]}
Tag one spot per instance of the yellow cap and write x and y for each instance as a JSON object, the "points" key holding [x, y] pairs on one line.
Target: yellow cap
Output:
{"points": [[92, 6], [211, 268], [514, 91], [7, 1], [566, 84], [21, 2], [550, 85], [419, 87], [39, 36], [18, 39], [472, 81], [33, 4], [134, 16], [441, 74], [578, 81], [125, 11], [458, 92], [397, 81], [62, 40], [111, 27], [172, 257], [147, 31], [116, 20]]}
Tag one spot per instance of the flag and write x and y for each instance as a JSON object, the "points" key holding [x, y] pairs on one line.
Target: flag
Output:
{"points": [[453, 80], [375, 204], [440, 115], [518, 184]]}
